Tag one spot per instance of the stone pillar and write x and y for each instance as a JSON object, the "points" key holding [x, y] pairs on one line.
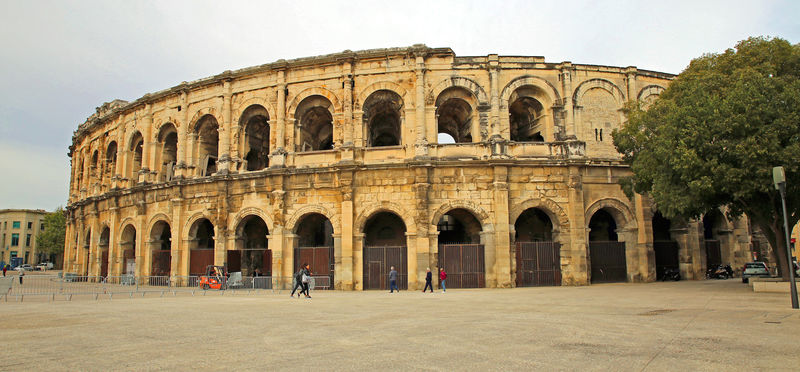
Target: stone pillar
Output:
{"points": [[148, 145], [347, 122], [183, 129], [278, 157], [411, 261], [225, 130], [577, 267], [646, 265], [494, 88], [697, 249], [358, 260], [681, 236], [289, 244], [421, 142], [344, 271], [502, 243], [630, 80], [178, 265], [141, 246], [276, 243], [566, 92], [220, 240]]}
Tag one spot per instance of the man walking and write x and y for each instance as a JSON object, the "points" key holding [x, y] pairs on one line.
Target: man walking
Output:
{"points": [[393, 281], [428, 281], [298, 281], [442, 278]]}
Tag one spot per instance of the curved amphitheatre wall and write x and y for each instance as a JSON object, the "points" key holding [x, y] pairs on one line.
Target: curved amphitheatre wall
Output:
{"points": [[351, 138]]}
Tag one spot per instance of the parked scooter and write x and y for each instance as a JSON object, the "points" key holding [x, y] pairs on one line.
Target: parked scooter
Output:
{"points": [[671, 274], [719, 272]]}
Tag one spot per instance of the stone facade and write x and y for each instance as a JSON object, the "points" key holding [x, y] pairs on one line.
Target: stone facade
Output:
{"points": [[18, 229], [342, 151]]}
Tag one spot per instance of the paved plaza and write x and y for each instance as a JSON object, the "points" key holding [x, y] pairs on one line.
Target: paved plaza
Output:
{"points": [[691, 326]]}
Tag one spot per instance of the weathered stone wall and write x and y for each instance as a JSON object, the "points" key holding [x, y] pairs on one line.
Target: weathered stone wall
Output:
{"points": [[128, 174]]}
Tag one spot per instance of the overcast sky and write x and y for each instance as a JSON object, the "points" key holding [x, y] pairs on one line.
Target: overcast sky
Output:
{"points": [[62, 59]]}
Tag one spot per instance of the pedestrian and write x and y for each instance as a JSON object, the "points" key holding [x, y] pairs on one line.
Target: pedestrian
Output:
{"points": [[393, 281], [5, 268], [298, 281], [21, 274], [307, 280], [442, 278], [428, 281]]}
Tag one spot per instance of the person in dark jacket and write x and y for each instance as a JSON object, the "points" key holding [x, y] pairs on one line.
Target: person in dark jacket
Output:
{"points": [[428, 281], [393, 281], [306, 277], [298, 281]]}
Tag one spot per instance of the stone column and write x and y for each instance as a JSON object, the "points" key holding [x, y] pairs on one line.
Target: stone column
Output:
{"points": [[502, 248], [183, 129], [276, 243], [566, 92], [347, 122], [178, 265], [421, 142], [411, 261], [148, 145], [680, 234], [697, 248], [646, 265], [141, 247], [345, 272], [278, 157], [577, 269], [358, 260], [225, 130], [630, 80], [494, 89]]}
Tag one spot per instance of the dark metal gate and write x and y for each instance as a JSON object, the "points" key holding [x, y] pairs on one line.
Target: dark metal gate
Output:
{"points": [[104, 263], [199, 259], [464, 265], [666, 256], [608, 262], [320, 259], [538, 264], [378, 260], [162, 262], [713, 253]]}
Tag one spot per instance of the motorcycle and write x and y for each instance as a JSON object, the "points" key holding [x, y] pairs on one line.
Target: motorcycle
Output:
{"points": [[719, 272], [671, 274]]}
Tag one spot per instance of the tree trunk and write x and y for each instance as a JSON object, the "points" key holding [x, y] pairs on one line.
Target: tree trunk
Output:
{"points": [[777, 242]]}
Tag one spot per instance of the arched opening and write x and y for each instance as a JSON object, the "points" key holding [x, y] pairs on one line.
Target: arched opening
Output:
{"points": [[454, 114], [102, 245], [161, 250], [127, 244], [315, 247], [714, 233], [201, 246], [137, 141], [383, 117], [87, 246], [207, 147], [384, 247], [255, 143], [111, 159], [252, 255], [314, 123], [526, 113], [95, 166], [665, 249], [79, 176], [168, 142], [607, 254], [538, 255], [461, 253]]}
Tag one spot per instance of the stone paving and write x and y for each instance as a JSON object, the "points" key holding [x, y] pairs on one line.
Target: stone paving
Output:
{"points": [[692, 326]]}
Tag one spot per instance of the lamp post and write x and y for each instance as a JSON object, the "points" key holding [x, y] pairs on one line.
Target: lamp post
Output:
{"points": [[779, 179]]}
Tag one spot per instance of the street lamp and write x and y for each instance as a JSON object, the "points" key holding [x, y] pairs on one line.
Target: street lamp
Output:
{"points": [[779, 179]]}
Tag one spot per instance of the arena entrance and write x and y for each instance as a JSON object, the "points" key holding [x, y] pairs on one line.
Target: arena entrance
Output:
{"points": [[713, 222], [128, 245], [161, 249], [201, 246], [606, 253], [314, 246], [252, 255], [103, 245], [460, 251], [538, 256], [666, 249], [384, 247]]}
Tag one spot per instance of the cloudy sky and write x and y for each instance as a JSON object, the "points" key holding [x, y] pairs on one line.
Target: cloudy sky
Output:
{"points": [[62, 59]]}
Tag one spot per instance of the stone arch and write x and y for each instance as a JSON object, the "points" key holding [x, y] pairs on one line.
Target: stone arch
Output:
{"points": [[381, 85], [130, 137], [157, 124], [314, 91], [372, 209], [314, 122], [250, 211], [476, 210], [291, 223], [603, 84], [127, 221], [650, 90], [191, 221], [244, 105], [618, 209], [458, 82], [155, 219], [544, 85], [199, 113], [557, 215]]}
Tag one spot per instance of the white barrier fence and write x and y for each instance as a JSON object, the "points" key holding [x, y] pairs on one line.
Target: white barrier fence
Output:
{"points": [[68, 285]]}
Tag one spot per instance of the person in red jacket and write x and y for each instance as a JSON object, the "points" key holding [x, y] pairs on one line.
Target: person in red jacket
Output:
{"points": [[442, 277]]}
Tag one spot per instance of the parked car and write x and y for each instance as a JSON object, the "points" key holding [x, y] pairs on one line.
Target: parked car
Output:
{"points": [[754, 269], [24, 267], [44, 266]]}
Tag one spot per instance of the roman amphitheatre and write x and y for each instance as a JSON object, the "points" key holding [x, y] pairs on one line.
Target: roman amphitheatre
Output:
{"points": [[500, 169]]}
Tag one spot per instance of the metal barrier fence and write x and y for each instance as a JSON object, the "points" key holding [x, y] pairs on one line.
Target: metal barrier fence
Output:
{"points": [[68, 285]]}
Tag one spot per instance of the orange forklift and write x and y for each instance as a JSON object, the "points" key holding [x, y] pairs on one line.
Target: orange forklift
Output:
{"points": [[216, 277]]}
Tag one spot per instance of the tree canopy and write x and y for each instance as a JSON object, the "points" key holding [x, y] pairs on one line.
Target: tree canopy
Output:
{"points": [[712, 137], [51, 240]]}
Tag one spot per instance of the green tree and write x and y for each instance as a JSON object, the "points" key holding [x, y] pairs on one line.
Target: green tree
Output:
{"points": [[713, 136], [51, 240]]}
